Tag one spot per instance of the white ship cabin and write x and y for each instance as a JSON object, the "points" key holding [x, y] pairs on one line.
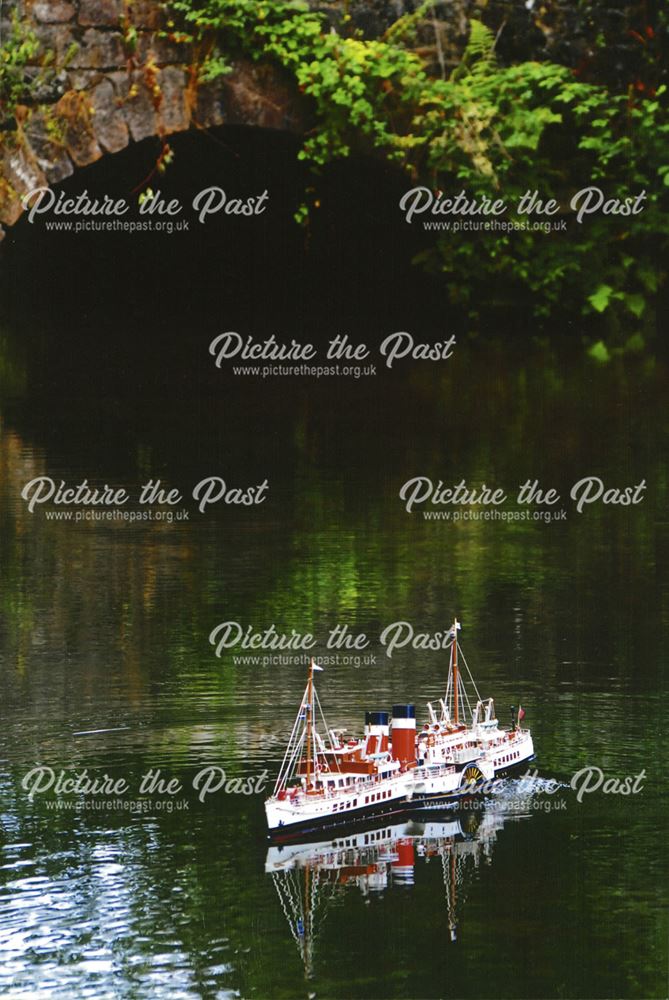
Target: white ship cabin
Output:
{"points": [[340, 781], [504, 748], [442, 741], [508, 758], [484, 720]]}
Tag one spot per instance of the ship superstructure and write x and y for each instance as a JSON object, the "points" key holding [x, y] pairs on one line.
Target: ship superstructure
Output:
{"points": [[325, 780]]}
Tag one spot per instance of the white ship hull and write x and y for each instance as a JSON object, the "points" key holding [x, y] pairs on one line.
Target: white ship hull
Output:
{"points": [[511, 753], [305, 811], [394, 768], [428, 785], [407, 790]]}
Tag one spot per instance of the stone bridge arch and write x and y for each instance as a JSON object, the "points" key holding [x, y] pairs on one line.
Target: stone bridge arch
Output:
{"points": [[104, 74], [97, 75]]}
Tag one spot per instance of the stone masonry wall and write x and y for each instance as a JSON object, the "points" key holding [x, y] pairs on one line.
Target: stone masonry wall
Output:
{"points": [[107, 72], [112, 77]]}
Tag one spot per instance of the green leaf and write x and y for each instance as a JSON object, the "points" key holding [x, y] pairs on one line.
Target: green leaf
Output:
{"points": [[599, 352], [636, 303], [648, 275], [600, 299], [635, 344]]}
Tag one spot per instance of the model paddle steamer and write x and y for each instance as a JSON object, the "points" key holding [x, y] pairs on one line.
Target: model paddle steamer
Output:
{"points": [[325, 780]]}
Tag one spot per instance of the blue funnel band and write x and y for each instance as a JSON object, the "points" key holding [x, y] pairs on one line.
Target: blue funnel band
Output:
{"points": [[404, 712]]}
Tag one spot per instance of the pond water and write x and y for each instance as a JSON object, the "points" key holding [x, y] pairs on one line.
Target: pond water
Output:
{"points": [[105, 663]]}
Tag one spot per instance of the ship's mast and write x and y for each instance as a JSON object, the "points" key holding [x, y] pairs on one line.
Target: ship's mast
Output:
{"points": [[304, 737], [455, 672], [308, 913], [310, 720]]}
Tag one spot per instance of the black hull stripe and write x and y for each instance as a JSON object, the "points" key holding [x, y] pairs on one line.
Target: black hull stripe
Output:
{"points": [[398, 807]]}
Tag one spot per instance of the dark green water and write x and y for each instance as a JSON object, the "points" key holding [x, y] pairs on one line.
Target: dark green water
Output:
{"points": [[105, 626]]}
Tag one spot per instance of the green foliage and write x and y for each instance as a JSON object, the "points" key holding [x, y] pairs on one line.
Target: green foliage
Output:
{"points": [[25, 66], [599, 352], [18, 50], [488, 129], [213, 67], [600, 299]]}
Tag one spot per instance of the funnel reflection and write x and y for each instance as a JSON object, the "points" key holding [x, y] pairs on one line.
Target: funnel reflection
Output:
{"points": [[379, 859]]}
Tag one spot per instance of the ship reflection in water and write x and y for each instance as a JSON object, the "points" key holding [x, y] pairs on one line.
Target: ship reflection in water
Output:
{"points": [[380, 858]]}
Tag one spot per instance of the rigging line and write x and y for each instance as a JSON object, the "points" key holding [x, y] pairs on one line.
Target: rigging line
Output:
{"points": [[294, 902], [327, 730], [293, 731], [324, 746], [297, 752], [282, 770], [320, 708], [290, 920], [294, 891], [465, 696], [314, 898], [449, 692], [317, 701], [289, 770], [319, 742], [470, 673]]}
